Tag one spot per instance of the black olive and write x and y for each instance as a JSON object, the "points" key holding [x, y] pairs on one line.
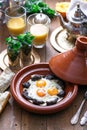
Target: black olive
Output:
{"points": [[61, 83], [37, 102], [52, 102], [50, 76], [61, 93], [26, 84], [25, 94], [36, 77]]}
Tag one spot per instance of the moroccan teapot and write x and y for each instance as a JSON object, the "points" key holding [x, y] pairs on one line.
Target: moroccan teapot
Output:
{"points": [[77, 23]]}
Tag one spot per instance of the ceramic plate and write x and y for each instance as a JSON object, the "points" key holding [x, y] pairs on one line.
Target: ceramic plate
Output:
{"points": [[42, 68]]}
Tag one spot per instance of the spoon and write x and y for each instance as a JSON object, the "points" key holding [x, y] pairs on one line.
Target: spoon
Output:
{"points": [[75, 118], [83, 119]]}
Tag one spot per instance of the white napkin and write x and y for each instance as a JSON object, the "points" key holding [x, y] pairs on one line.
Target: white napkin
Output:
{"points": [[72, 7]]}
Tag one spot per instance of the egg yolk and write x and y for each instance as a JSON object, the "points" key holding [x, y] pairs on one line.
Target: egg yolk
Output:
{"points": [[52, 91], [41, 83], [41, 92]]}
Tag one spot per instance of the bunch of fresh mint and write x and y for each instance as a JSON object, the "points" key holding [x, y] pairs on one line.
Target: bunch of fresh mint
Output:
{"points": [[36, 6]]}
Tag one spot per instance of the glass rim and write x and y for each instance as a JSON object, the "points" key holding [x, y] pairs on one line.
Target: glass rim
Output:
{"points": [[14, 7], [29, 17], [28, 21]]}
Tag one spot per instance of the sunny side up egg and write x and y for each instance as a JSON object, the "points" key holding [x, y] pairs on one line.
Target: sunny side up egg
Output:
{"points": [[43, 91]]}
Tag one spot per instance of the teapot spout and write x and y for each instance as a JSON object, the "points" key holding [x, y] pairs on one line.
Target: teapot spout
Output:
{"points": [[63, 23]]}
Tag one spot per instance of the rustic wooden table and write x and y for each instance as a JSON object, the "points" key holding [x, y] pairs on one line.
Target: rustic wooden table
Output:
{"points": [[16, 118]]}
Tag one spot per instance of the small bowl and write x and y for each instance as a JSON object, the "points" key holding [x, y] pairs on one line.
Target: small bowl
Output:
{"points": [[24, 75]]}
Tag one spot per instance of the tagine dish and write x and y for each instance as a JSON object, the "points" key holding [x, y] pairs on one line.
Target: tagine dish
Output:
{"points": [[36, 89]]}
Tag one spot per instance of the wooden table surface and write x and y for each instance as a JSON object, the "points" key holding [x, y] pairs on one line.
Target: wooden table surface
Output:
{"points": [[16, 118]]}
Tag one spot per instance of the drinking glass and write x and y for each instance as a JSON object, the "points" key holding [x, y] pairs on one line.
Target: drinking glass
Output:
{"points": [[3, 5], [17, 2], [15, 20], [38, 30]]}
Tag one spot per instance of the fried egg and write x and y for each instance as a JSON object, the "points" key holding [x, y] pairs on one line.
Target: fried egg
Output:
{"points": [[43, 91]]}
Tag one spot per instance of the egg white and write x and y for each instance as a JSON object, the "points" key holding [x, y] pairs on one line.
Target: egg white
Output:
{"points": [[49, 83]]}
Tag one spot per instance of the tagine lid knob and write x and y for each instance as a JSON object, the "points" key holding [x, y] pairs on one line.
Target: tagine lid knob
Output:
{"points": [[71, 65], [81, 44]]}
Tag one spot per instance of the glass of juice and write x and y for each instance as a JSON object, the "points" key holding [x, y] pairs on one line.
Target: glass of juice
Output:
{"points": [[39, 29], [15, 20]]}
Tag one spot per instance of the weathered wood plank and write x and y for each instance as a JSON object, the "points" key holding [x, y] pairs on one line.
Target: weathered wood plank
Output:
{"points": [[16, 118]]}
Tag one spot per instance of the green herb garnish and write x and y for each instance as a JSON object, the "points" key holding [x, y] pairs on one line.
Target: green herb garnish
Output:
{"points": [[13, 48], [13, 44], [25, 39], [22, 42], [26, 42], [37, 6]]}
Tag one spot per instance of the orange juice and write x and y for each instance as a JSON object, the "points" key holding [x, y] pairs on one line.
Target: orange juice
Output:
{"points": [[16, 26], [40, 32]]}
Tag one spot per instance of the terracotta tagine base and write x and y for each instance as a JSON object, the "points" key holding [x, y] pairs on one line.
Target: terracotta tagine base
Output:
{"points": [[72, 65]]}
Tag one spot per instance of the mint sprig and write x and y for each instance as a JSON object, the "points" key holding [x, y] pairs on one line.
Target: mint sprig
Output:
{"points": [[36, 6], [13, 44], [25, 39]]}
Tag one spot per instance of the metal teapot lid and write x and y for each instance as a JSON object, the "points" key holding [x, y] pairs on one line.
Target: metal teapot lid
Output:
{"points": [[78, 16]]}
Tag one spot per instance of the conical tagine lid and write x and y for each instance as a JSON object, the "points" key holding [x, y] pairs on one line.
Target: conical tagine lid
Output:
{"points": [[72, 65]]}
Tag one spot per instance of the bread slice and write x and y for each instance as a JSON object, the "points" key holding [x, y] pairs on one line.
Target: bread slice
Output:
{"points": [[4, 97], [5, 79]]}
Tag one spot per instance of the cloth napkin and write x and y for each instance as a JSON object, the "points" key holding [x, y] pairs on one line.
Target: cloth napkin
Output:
{"points": [[72, 7]]}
